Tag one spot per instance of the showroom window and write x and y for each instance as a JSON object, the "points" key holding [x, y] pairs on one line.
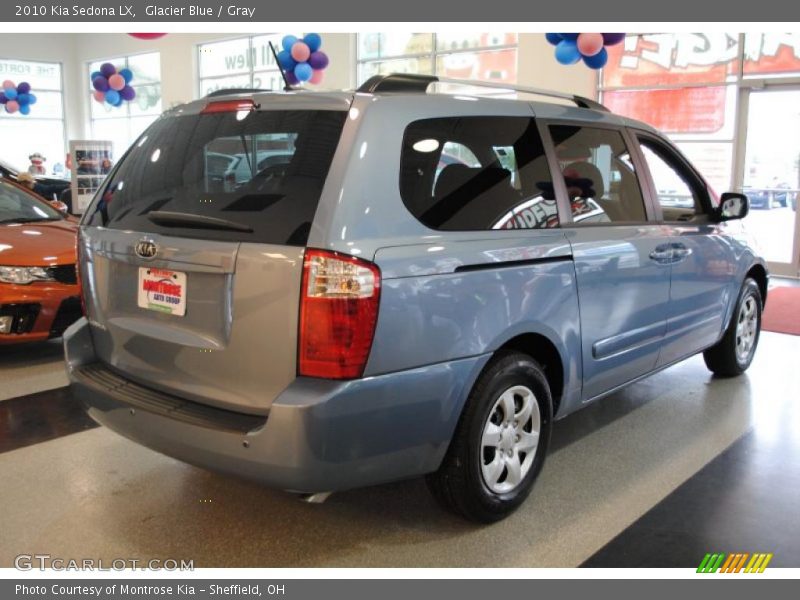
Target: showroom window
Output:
{"points": [[123, 124], [42, 130], [245, 62], [485, 56]]}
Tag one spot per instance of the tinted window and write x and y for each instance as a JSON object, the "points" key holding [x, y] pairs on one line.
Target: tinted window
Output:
{"points": [[678, 191], [599, 175], [264, 170], [477, 173]]}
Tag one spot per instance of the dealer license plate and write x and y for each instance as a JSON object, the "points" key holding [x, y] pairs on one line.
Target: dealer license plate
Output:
{"points": [[162, 290]]}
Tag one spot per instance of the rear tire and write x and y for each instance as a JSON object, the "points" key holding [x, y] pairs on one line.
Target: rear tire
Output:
{"points": [[493, 461], [732, 355]]}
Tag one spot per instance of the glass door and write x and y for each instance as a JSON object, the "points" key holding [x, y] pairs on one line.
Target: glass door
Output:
{"points": [[771, 175]]}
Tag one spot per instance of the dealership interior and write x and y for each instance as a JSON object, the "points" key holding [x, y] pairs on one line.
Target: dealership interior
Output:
{"points": [[657, 474]]}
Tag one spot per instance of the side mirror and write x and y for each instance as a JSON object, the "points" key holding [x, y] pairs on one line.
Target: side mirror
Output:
{"points": [[59, 206], [733, 205]]}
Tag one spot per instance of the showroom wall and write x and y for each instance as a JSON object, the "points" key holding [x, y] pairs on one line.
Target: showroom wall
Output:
{"points": [[178, 56]]}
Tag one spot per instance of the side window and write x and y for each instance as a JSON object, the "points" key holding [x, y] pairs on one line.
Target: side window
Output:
{"points": [[477, 173], [678, 191], [599, 175]]}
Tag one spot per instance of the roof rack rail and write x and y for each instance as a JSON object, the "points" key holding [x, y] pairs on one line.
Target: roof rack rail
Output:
{"points": [[228, 91], [408, 82]]}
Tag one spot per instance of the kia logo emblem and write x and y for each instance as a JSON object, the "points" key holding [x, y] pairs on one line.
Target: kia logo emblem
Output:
{"points": [[146, 249]]}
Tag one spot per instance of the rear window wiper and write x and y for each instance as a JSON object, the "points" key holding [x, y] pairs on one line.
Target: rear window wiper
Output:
{"points": [[168, 218]]}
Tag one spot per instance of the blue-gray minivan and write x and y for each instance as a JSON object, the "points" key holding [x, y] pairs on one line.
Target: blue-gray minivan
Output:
{"points": [[419, 286]]}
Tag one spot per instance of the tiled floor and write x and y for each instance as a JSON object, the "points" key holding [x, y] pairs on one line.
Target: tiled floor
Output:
{"points": [[624, 484]]}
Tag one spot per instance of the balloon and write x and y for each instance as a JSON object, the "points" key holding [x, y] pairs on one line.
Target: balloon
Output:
{"points": [[318, 60], [567, 52], [100, 84], [288, 41], [11, 93], [12, 106], [291, 79], [99, 96], [316, 76], [107, 69], [597, 61], [127, 75], [611, 39], [127, 93], [3, 98], [590, 44], [300, 52], [569, 36], [24, 109], [116, 82], [313, 41], [286, 61], [303, 71], [112, 97], [31, 99], [23, 99], [8, 84], [95, 74], [553, 38], [147, 36], [24, 87]]}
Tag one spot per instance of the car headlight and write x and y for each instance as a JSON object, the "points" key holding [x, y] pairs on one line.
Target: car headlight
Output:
{"points": [[24, 275]]}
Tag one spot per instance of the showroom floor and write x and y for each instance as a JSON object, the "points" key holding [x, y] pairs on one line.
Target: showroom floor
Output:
{"points": [[675, 466]]}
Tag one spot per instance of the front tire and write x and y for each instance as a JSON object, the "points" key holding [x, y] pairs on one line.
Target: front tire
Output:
{"points": [[732, 355], [500, 443]]}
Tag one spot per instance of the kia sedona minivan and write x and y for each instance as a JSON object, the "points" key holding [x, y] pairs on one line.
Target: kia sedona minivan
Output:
{"points": [[420, 285]]}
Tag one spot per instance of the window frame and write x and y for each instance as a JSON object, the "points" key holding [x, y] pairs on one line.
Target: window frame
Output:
{"points": [[675, 159], [562, 196]]}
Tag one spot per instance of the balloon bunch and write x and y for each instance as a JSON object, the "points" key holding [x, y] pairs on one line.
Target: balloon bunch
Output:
{"points": [[591, 47], [17, 97], [112, 86], [301, 59]]}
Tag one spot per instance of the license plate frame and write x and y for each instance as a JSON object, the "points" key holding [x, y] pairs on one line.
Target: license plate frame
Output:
{"points": [[162, 290]]}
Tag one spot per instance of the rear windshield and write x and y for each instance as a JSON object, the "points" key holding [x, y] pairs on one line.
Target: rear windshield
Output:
{"points": [[253, 170]]}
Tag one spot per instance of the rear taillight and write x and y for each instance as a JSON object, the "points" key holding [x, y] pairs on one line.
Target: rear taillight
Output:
{"points": [[223, 106], [338, 312], [78, 259]]}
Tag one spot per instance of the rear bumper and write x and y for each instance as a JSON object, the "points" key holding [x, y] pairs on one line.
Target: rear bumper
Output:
{"points": [[46, 309], [319, 435]]}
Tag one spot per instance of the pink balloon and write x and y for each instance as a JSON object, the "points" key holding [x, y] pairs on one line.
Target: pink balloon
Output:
{"points": [[116, 82], [590, 44], [12, 106], [301, 52], [317, 76], [99, 96], [8, 84]]}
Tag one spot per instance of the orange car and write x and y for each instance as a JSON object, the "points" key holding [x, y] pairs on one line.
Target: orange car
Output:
{"points": [[39, 289]]}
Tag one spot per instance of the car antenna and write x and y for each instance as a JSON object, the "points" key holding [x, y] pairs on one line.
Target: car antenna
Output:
{"points": [[286, 87]]}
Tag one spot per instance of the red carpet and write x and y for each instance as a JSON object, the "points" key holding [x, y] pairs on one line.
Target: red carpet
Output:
{"points": [[782, 314]]}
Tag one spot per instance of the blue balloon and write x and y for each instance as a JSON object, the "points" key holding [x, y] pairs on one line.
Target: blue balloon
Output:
{"points": [[127, 75], [31, 99], [303, 71], [95, 74], [553, 38], [23, 99], [11, 93], [288, 41], [286, 61], [569, 36], [597, 61], [567, 52], [313, 41], [112, 97], [24, 109]]}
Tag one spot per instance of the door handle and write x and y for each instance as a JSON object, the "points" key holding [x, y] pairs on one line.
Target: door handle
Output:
{"points": [[679, 251], [662, 254]]}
